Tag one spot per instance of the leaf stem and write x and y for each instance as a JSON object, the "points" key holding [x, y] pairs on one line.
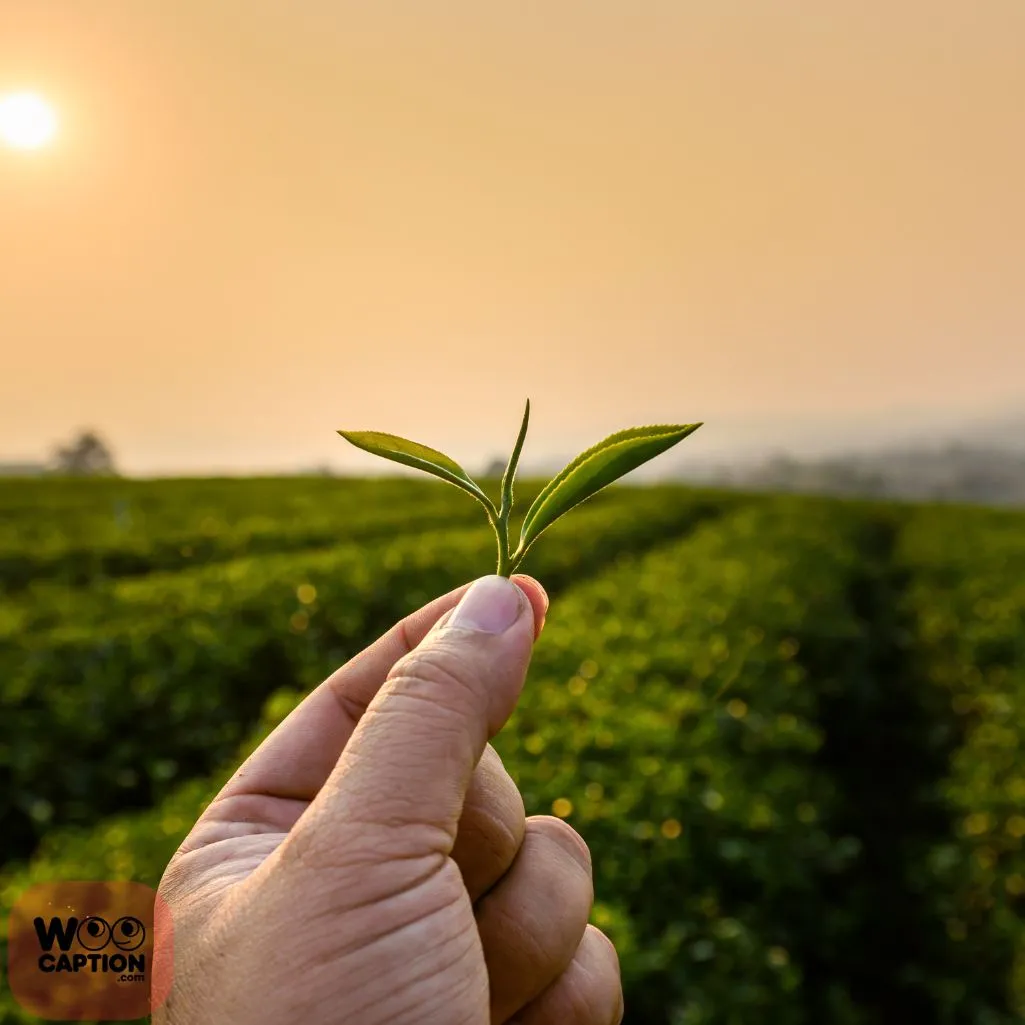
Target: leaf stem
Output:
{"points": [[502, 530], [516, 557]]}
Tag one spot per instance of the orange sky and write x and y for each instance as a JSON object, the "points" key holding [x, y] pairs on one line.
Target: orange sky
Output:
{"points": [[262, 221]]}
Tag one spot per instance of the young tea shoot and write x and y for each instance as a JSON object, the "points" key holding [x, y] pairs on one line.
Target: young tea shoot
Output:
{"points": [[599, 466]]}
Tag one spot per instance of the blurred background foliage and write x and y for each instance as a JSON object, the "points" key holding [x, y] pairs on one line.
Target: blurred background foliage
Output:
{"points": [[790, 728]]}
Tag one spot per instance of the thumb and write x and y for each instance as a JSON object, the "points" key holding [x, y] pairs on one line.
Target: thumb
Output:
{"points": [[401, 781]]}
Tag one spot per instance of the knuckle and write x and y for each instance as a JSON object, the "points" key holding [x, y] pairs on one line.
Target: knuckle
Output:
{"points": [[486, 846], [438, 667], [562, 833], [493, 831], [491, 762], [582, 1005], [493, 786], [607, 948], [602, 992], [588, 993]]}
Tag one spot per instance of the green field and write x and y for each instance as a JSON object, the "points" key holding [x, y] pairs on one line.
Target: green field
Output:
{"points": [[792, 730]]}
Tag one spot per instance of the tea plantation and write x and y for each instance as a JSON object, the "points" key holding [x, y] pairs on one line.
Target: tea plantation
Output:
{"points": [[792, 730]]}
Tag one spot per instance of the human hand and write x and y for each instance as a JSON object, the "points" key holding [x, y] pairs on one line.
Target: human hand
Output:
{"points": [[371, 862]]}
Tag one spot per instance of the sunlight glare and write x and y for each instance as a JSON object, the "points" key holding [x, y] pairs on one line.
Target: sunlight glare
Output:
{"points": [[27, 121]]}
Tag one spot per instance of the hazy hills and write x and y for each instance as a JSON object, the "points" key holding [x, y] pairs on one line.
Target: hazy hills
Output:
{"points": [[972, 461]]}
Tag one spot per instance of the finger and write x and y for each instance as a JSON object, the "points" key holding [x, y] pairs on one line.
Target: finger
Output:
{"points": [[488, 836], [402, 778], [531, 923], [589, 991], [296, 759], [491, 827]]}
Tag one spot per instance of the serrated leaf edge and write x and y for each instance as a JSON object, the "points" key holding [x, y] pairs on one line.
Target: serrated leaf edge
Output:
{"points": [[618, 437]]}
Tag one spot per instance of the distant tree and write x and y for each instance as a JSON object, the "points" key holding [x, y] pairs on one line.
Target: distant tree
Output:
{"points": [[88, 455], [495, 468]]}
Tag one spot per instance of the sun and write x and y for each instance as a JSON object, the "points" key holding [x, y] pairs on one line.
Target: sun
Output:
{"points": [[27, 121]]}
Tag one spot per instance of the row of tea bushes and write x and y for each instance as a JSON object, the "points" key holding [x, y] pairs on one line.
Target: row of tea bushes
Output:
{"points": [[113, 529], [967, 599], [163, 678], [83, 531], [669, 718], [691, 802], [791, 735]]}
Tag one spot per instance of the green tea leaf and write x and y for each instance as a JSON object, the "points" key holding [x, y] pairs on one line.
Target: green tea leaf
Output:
{"points": [[595, 469], [514, 459], [412, 453]]}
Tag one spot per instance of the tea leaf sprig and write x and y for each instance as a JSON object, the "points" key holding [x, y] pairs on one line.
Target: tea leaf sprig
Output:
{"points": [[599, 466]]}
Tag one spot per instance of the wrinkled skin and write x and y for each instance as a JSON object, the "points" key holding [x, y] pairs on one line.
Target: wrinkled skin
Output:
{"points": [[371, 863]]}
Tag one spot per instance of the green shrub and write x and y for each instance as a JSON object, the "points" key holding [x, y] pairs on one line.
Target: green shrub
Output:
{"points": [[666, 707], [162, 677], [82, 531], [792, 734], [968, 603], [705, 815]]}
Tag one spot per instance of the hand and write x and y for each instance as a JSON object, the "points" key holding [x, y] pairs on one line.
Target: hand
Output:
{"points": [[371, 863]]}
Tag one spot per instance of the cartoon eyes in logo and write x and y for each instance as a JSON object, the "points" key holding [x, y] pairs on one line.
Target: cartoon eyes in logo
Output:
{"points": [[128, 933], [94, 933]]}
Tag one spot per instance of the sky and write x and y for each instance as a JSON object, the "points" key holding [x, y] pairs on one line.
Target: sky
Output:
{"points": [[263, 221]]}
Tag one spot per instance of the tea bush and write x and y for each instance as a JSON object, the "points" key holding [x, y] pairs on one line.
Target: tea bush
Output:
{"points": [[81, 531], [790, 729], [668, 717], [968, 602], [704, 815], [157, 679]]}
